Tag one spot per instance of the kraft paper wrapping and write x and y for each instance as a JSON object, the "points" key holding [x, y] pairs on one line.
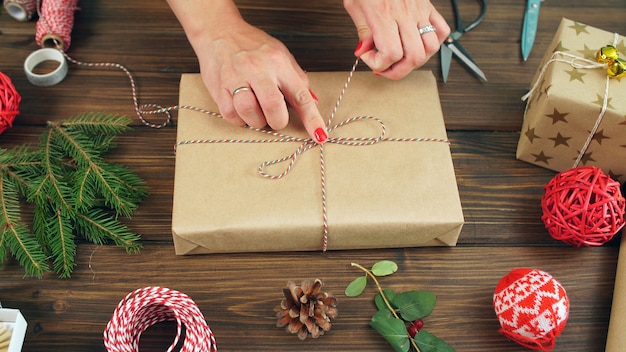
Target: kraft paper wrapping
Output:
{"points": [[562, 111], [391, 194], [616, 339]]}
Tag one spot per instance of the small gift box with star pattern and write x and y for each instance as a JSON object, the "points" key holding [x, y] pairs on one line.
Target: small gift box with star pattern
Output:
{"points": [[576, 109]]}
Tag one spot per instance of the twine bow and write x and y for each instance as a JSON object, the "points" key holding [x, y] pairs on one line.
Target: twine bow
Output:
{"points": [[308, 143], [578, 63]]}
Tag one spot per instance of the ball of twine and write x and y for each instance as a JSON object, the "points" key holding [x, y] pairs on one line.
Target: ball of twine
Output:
{"points": [[147, 306], [532, 308], [583, 207], [9, 102]]}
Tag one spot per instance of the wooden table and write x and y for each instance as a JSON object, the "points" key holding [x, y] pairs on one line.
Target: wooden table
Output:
{"points": [[237, 292]]}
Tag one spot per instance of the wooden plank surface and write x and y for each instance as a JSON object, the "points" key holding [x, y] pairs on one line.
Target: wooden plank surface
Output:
{"points": [[236, 293]]}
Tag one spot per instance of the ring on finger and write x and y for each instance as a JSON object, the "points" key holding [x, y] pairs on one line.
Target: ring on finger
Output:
{"points": [[426, 29], [240, 89]]}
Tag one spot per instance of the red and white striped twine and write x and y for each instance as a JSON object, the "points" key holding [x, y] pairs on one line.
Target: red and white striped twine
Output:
{"points": [[147, 306], [56, 20]]}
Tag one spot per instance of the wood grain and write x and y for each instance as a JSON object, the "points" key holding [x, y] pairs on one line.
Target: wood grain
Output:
{"points": [[237, 292]]}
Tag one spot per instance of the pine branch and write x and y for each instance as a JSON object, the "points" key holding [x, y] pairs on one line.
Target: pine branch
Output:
{"points": [[98, 227], [62, 246], [20, 165], [74, 190], [15, 236], [94, 124]]}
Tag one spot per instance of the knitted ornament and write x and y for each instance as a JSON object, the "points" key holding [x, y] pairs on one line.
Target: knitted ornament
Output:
{"points": [[532, 308], [9, 102], [583, 207]]}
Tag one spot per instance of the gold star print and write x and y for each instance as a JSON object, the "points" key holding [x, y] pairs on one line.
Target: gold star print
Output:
{"points": [[541, 157], [543, 90], [623, 122], [614, 176], [530, 134], [588, 53], [579, 28], [600, 101], [559, 139], [599, 136], [556, 116], [560, 47], [586, 158], [574, 74]]}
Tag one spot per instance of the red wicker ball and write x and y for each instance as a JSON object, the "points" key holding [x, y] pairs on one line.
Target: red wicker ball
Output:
{"points": [[532, 308], [583, 207], [9, 102]]}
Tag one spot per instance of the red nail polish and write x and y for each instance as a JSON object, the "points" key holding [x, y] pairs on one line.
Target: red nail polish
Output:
{"points": [[358, 47], [320, 135], [314, 96]]}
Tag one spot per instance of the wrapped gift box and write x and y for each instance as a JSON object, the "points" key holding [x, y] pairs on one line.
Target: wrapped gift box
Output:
{"points": [[15, 322], [616, 339], [390, 194], [563, 109]]}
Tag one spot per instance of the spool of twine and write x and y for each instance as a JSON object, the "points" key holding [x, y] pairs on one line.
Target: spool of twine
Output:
{"points": [[147, 306], [21, 10], [9, 102], [56, 20]]}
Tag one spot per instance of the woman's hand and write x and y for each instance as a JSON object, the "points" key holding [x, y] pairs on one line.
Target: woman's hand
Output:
{"points": [[390, 41], [250, 75]]}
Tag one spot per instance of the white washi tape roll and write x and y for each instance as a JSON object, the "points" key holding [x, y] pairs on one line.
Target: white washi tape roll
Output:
{"points": [[16, 11], [46, 79]]}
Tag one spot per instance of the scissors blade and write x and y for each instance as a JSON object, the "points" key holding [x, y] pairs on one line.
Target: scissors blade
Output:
{"points": [[466, 60], [446, 59], [529, 29]]}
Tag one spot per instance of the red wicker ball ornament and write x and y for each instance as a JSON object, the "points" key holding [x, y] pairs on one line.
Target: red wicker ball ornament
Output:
{"points": [[9, 102], [532, 308], [583, 207]]}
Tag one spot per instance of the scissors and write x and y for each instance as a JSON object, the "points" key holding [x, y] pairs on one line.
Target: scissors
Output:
{"points": [[452, 46], [529, 29]]}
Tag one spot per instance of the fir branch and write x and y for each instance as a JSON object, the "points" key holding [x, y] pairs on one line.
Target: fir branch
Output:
{"points": [[74, 191], [61, 240], [97, 123], [50, 185], [97, 226], [15, 236], [20, 165]]}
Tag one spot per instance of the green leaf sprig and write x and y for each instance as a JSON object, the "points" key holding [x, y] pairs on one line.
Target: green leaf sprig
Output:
{"points": [[74, 191], [396, 310]]}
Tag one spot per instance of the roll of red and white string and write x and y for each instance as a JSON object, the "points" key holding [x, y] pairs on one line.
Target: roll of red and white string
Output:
{"points": [[9, 102], [21, 10], [55, 24], [147, 306]]}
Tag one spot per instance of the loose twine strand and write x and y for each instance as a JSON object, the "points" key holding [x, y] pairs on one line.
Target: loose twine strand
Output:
{"points": [[147, 306], [578, 63]]}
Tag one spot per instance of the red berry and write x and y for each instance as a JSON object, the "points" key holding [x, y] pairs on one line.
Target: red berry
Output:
{"points": [[413, 330], [419, 324]]}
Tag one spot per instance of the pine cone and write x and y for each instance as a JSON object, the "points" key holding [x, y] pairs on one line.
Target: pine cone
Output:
{"points": [[306, 310]]}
